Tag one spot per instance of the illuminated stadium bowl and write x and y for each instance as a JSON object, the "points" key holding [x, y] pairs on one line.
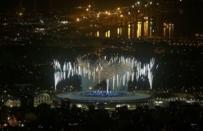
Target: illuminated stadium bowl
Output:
{"points": [[104, 78], [111, 97]]}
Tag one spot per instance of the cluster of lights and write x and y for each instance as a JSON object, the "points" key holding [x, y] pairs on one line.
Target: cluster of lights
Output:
{"points": [[116, 71], [139, 3], [118, 12], [168, 29]]}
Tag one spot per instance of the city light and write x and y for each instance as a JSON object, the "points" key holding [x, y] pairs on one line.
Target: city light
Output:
{"points": [[129, 13], [64, 22], [129, 31], [97, 34], [20, 13], [119, 31], [146, 27], [89, 6], [78, 19], [168, 30], [139, 29], [98, 15], [108, 13], [108, 34]]}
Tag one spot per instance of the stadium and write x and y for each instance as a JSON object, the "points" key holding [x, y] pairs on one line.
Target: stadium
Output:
{"points": [[105, 78]]}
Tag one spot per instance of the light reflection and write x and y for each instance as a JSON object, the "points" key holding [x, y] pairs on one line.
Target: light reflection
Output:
{"points": [[129, 31], [119, 31], [97, 34], [108, 34], [146, 27], [139, 29]]}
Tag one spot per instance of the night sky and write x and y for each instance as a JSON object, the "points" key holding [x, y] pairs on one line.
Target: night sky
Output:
{"points": [[60, 4], [65, 4]]}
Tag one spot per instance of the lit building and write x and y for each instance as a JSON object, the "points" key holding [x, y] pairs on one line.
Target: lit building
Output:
{"points": [[13, 103], [42, 98]]}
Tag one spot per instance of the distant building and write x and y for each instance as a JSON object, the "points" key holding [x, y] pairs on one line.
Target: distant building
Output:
{"points": [[13, 103], [42, 98]]}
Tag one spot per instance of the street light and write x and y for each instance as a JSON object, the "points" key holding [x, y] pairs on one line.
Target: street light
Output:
{"points": [[89, 6], [20, 13], [77, 19], [98, 15]]}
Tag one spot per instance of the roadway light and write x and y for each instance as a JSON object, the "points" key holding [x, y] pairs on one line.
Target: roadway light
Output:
{"points": [[20, 13], [64, 22], [78, 20], [98, 15]]}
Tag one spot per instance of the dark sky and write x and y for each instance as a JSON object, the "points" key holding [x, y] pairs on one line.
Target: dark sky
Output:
{"points": [[59, 4], [63, 4]]}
